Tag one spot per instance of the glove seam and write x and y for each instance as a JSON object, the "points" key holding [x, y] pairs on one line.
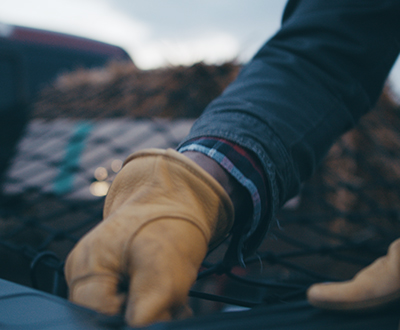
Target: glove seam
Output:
{"points": [[196, 172], [199, 173]]}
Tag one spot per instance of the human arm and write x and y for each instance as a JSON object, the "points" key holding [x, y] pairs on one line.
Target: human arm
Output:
{"points": [[305, 87]]}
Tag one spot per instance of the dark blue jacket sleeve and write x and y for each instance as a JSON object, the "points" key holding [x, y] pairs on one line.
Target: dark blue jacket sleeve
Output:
{"points": [[307, 85]]}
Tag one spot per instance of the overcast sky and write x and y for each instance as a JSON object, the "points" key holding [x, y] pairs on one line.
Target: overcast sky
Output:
{"points": [[160, 32]]}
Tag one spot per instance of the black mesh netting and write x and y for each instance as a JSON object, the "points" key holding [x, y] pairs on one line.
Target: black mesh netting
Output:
{"points": [[344, 218]]}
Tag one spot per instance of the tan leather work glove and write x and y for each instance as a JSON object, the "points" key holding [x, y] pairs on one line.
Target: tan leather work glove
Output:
{"points": [[373, 287], [161, 214]]}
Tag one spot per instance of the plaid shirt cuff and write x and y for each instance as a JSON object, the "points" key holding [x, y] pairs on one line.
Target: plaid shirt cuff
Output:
{"points": [[245, 168]]}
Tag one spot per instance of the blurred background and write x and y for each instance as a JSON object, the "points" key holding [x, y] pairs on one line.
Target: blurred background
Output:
{"points": [[156, 33]]}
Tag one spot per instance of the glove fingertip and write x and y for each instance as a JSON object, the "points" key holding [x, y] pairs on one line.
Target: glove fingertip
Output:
{"points": [[98, 293]]}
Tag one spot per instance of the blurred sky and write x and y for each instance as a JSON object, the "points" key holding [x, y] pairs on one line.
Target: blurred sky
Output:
{"points": [[157, 32], [160, 32]]}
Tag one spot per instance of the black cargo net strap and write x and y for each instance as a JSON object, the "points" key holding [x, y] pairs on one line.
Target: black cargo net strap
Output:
{"points": [[344, 218]]}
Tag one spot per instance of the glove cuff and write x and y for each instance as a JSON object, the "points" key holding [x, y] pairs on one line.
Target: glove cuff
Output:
{"points": [[178, 188]]}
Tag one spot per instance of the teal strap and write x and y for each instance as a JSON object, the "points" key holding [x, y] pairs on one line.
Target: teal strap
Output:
{"points": [[65, 179]]}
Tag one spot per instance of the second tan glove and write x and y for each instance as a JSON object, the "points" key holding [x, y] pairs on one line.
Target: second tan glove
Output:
{"points": [[161, 214], [373, 287]]}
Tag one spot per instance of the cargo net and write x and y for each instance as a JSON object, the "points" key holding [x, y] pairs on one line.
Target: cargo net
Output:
{"points": [[344, 218]]}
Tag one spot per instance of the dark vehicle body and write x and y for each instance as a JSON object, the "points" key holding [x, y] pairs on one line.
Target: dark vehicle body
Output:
{"points": [[31, 58]]}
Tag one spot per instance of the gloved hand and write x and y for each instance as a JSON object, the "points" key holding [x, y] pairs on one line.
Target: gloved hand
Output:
{"points": [[373, 287], [161, 214]]}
